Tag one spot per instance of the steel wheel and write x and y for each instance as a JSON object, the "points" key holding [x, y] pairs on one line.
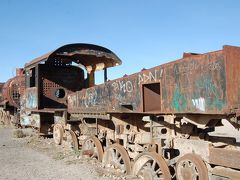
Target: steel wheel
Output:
{"points": [[58, 134], [116, 156], [191, 167], [71, 140], [92, 147], [150, 165]]}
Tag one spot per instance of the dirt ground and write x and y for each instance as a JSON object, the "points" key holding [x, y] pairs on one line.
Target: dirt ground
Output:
{"points": [[32, 157]]}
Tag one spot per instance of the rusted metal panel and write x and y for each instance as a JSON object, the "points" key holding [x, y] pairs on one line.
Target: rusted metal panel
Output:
{"points": [[225, 172], [232, 55], [122, 94], [195, 84], [1, 87], [224, 157]]}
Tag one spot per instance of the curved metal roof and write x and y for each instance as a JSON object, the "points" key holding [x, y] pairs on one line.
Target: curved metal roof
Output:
{"points": [[85, 54]]}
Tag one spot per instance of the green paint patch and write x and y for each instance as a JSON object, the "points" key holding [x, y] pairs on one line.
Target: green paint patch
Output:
{"points": [[179, 101], [210, 92]]}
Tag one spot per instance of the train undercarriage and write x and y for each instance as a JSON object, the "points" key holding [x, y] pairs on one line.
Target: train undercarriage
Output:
{"points": [[154, 146]]}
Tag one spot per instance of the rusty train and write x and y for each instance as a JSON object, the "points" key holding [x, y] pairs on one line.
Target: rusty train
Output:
{"points": [[158, 123]]}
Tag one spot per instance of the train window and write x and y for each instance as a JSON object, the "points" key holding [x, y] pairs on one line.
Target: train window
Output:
{"points": [[101, 76], [60, 93], [32, 78]]}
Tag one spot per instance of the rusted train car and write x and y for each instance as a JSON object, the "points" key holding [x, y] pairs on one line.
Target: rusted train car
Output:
{"points": [[11, 92], [155, 124], [162, 118]]}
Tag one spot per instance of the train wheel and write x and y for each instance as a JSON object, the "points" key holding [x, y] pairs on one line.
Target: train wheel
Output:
{"points": [[58, 134], [191, 167], [92, 147], [71, 140], [149, 166], [116, 156]]}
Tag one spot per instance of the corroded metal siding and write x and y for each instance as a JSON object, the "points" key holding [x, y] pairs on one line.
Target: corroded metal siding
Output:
{"points": [[1, 87], [52, 79], [122, 94], [194, 84]]}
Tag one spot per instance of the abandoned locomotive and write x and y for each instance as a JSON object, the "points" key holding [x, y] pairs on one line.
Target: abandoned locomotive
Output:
{"points": [[158, 123]]}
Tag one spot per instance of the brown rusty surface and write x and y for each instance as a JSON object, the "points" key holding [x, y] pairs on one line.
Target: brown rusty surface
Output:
{"points": [[194, 84], [224, 157], [1, 87], [232, 55], [226, 172], [54, 85]]}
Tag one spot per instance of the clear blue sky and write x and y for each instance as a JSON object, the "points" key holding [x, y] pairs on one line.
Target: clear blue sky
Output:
{"points": [[142, 33]]}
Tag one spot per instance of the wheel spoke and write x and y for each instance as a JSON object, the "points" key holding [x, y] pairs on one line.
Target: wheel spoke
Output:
{"points": [[154, 164], [113, 154], [119, 159], [117, 155], [158, 171]]}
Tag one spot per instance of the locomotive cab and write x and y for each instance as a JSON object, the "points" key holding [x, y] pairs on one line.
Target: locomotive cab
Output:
{"points": [[51, 77]]}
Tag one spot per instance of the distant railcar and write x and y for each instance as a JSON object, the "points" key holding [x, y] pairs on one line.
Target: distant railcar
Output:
{"points": [[1, 87], [10, 98]]}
